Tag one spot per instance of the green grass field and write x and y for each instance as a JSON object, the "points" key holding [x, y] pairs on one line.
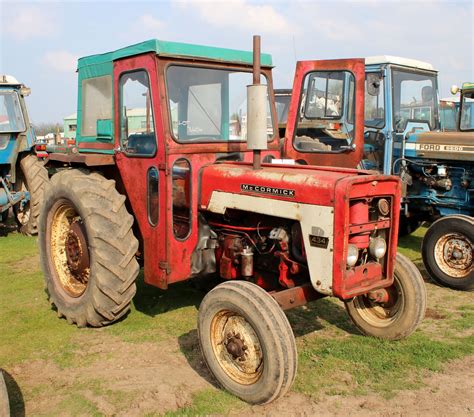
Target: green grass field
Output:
{"points": [[333, 357]]}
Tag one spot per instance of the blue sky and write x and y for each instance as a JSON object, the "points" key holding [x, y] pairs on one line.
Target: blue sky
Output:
{"points": [[40, 41]]}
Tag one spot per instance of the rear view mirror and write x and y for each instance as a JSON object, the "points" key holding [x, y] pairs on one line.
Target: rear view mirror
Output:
{"points": [[373, 84], [104, 129]]}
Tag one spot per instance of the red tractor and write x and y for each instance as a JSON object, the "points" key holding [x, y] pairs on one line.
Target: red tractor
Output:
{"points": [[166, 175]]}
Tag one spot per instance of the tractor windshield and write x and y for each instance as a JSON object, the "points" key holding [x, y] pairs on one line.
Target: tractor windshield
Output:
{"points": [[210, 105], [467, 111], [326, 116], [11, 117], [414, 99]]}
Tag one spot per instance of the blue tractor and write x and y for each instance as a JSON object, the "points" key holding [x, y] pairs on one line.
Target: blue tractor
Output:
{"points": [[403, 137], [22, 176]]}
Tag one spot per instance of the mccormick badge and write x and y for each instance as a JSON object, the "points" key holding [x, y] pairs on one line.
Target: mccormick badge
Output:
{"points": [[262, 189]]}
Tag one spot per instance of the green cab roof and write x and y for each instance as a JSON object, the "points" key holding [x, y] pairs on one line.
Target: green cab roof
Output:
{"points": [[176, 49], [468, 86]]}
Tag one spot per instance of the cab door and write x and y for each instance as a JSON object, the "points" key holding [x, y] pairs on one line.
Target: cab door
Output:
{"points": [[326, 117], [140, 157]]}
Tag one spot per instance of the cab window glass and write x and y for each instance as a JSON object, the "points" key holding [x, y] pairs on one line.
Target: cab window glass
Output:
{"points": [[137, 130], [181, 198], [374, 111], [11, 117], [467, 113], [327, 111], [210, 105], [414, 98], [96, 103]]}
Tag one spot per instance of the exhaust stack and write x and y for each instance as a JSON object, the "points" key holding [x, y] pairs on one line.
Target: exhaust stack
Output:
{"points": [[256, 109]]}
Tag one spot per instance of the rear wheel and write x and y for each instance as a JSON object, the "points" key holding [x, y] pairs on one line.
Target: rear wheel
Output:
{"points": [[447, 251], [32, 178], [247, 342], [394, 312], [87, 248]]}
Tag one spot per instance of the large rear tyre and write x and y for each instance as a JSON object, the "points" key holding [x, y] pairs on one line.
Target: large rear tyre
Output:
{"points": [[447, 251], [33, 178], [247, 342], [87, 249], [399, 310]]}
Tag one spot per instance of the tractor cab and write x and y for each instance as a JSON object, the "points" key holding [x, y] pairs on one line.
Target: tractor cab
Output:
{"points": [[16, 134], [19, 167], [401, 97]]}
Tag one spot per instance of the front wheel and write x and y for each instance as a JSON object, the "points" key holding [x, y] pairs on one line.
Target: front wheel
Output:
{"points": [[447, 252], [398, 309], [247, 342]]}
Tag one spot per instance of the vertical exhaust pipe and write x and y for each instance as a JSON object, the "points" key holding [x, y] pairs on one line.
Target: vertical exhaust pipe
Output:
{"points": [[256, 109]]}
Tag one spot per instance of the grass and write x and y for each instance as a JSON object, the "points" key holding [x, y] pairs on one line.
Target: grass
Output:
{"points": [[333, 357]]}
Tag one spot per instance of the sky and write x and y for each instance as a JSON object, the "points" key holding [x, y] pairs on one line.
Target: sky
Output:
{"points": [[40, 41]]}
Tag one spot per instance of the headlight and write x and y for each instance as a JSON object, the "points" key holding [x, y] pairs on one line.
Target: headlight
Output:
{"points": [[377, 247], [352, 255]]}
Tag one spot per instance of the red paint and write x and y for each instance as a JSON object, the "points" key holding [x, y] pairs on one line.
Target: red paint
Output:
{"points": [[345, 159], [359, 214], [297, 296]]}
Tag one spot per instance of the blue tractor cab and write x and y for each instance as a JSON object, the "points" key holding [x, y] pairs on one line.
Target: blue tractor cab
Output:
{"points": [[403, 137], [22, 175]]}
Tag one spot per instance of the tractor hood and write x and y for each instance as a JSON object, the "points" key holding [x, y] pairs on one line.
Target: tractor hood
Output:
{"points": [[454, 146], [298, 184]]}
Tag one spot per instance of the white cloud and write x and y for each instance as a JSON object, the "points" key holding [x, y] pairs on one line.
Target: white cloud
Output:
{"points": [[150, 23], [61, 61], [144, 27], [29, 22], [239, 14]]}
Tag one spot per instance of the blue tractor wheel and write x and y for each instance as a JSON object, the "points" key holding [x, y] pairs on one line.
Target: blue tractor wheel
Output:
{"points": [[447, 251]]}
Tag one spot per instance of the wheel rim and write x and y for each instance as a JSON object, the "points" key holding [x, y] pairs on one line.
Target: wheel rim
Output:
{"points": [[453, 255], [69, 249], [236, 347], [382, 314]]}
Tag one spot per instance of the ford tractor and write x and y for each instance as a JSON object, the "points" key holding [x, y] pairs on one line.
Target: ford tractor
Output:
{"points": [[402, 137], [22, 175], [195, 189]]}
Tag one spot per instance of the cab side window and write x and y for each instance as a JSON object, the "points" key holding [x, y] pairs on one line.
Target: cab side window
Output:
{"points": [[137, 130]]}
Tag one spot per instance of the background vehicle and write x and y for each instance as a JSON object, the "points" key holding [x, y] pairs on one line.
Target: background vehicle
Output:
{"points": [[182, 196], [282, 103], [22, 175], [449, 108], [436, 168]]}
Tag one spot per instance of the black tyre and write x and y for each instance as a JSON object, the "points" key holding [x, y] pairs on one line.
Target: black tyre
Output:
{"points": [[33, 178], [401, 310], [87, 248], [247, 342], [447, 252]]}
